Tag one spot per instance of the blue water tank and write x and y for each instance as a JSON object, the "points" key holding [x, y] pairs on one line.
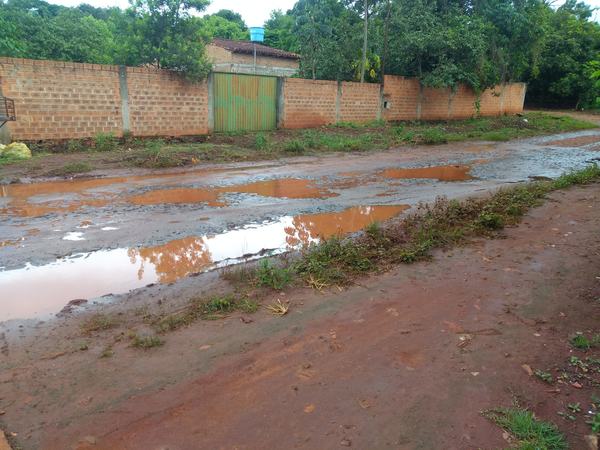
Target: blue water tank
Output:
{"points": [[257, 34]]}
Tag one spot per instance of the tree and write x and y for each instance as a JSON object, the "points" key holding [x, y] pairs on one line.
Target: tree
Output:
{"points": [[167, 36], [279, 31], [571, 45], [215, 26]]}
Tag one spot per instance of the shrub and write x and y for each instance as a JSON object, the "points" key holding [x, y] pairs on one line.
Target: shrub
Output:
{"points": [[295, 146], [261, 142], [269, 275], [105, 142]]}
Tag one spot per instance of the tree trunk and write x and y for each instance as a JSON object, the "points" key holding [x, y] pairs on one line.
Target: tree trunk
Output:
{"points": [[363, 63]]}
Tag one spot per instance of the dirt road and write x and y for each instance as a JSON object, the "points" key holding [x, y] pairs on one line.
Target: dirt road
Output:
{"points": [[125, 232], [406, 359]]}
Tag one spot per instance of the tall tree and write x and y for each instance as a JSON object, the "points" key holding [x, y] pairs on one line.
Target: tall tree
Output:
{"points": [[167, 35]]}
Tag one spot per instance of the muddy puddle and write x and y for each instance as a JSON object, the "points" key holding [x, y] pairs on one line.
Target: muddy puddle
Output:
{"points": [[38, 291], [441, 173], [39, 199]]}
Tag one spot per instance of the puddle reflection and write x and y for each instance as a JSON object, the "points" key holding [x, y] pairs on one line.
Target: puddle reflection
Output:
{"points": [[37, 291]]}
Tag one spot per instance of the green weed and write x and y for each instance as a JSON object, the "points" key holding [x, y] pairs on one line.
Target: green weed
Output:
{"points": [[146, 342], [270, 275], [105, 142], [530, 433], [546, 377], [595, 423], [71, 169], [261, 142], [295, 146], [581, 342]]}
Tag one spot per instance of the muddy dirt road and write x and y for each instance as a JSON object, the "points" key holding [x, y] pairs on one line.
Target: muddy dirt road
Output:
{"points": [[403, 360], [129, 230]]}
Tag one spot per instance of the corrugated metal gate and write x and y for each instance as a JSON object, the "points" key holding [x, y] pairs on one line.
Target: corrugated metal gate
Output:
{"points": [[244, 102]]}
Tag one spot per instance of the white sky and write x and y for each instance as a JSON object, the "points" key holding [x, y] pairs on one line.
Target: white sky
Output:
{"points": [[254, 12]]}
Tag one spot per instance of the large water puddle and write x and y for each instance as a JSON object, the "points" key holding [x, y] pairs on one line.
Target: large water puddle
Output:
{"points": [[39, 199], [38, 291], [441, 173]]}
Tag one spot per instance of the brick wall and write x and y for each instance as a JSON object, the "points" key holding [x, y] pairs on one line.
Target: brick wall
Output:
{"points": [[56, 100], [359, 102], [308, 103], [162, 103], [401, 96], [61, 100], [406, 100]]}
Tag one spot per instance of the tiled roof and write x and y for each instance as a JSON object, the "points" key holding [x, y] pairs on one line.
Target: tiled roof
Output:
{"points": [[248, 47]]}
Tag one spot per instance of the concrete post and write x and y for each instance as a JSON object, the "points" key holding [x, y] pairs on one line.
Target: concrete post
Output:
{"points": [[419, 101], [338, 103], [4, 131], [124, 93], [280, 102], [210, 82]]}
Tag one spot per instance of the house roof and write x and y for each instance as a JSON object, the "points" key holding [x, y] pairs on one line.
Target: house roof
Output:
{"points": [[248, 48]]}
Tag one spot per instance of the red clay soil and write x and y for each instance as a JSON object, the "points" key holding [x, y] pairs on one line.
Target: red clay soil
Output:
{"points": [[403, 360]]}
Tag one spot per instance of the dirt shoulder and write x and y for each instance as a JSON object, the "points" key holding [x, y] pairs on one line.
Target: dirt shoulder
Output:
{"points": [[104, 154], [407, 359]]}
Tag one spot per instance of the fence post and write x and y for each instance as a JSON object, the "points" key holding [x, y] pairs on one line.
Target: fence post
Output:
{"points": [[210, 83], [280, 102], [419, 100], [124, 94], [5, 131], [338, 103]]}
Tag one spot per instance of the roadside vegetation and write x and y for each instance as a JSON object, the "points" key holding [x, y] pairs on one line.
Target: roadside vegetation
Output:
{"points": [[526, 431], [75, 157]]}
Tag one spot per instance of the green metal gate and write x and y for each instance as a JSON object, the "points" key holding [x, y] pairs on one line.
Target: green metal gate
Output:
{"points": [[244, 102]]}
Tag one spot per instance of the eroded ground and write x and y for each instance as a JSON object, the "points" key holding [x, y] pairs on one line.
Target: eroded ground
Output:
{"points": [[365, 367]]}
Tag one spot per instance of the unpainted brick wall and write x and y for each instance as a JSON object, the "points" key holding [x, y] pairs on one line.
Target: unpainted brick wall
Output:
{"points": [[359, 102], [308, 103], [61, 100], [407, 100], [57, 100], [162, 103]]}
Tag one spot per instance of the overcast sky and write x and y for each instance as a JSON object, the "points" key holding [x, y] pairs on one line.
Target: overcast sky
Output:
{"points": [[254, 12]]}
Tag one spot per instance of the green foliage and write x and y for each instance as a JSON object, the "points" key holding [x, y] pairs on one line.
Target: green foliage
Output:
{"points": [[567, 59], [261, 142], [490, 220], [105, 142], [530, 432], [546, 377], [595, 423], [583, 343], [295, 146], [270, 275]]}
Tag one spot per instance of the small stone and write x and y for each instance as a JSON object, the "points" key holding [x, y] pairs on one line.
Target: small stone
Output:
{"points": [[346, 443]]}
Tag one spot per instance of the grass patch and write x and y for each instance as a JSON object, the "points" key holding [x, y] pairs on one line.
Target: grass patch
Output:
{"points": [[146, 342], [98, 322], [105, 142], [71, 169], [270, 275], [529, 432], [212, 308], [584, 343]]}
